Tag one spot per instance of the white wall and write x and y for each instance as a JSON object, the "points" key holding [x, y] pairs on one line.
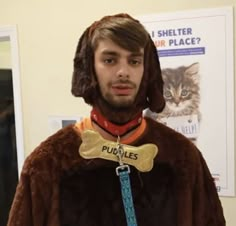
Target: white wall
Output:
{"points": [[48, 32], [5, 55]]}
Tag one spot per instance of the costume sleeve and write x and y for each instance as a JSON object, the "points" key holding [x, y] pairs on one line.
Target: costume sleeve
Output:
{"points": [[207, 209], [32, 204], [21, 210]]}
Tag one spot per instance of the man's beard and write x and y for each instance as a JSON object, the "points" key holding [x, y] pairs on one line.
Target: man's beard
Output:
{"points": [[118, 104], [115, 112]]}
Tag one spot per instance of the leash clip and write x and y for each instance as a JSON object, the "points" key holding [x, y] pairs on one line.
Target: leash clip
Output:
{"points": [[120, 151], [122, 169]]}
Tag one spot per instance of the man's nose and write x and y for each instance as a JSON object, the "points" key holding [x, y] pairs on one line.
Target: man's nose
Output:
{"points": [[123, 70]]}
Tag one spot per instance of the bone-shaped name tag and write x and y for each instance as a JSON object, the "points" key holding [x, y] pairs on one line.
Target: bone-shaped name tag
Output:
{"points": [[95, 146]]}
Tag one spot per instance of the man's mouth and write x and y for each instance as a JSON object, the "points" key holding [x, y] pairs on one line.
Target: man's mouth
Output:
{"points": [[122, 89]]}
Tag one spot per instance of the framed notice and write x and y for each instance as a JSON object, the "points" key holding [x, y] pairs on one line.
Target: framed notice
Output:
{"points": [[196, 56]]}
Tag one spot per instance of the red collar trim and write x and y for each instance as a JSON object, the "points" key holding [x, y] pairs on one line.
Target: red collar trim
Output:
{"points": [[114, 129]]}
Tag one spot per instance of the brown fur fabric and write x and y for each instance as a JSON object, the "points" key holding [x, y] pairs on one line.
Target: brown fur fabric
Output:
{"points": [[59, 188]]}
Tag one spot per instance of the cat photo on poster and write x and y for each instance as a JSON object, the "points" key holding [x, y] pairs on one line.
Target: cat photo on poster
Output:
{"points": [[182, 95]]}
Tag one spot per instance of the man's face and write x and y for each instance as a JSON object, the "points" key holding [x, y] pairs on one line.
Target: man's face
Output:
{"points": [[119, 73]]}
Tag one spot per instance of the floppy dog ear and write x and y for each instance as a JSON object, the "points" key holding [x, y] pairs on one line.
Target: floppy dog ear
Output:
{"points": [[156, 101], [83, 79]]}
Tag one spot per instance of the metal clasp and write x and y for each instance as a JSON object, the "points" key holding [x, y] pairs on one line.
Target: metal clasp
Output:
{"points": [[122, 168], [120, 151]]}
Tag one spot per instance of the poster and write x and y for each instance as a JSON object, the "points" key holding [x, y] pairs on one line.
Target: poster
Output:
{"points": [[196, 56]]}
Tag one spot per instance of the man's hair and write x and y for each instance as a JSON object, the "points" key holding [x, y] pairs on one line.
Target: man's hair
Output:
{"points": [[125, 32], [129, 34]]}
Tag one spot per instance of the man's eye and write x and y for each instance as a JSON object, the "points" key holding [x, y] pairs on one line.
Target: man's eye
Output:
{"points": [[135, 62], [109, 61]]}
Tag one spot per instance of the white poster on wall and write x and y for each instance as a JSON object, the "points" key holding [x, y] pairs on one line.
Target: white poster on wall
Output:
{"points": [[196, 56]]}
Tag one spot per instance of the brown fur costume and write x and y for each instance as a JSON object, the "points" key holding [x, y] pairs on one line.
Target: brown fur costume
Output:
{"points": [[59, 188]]}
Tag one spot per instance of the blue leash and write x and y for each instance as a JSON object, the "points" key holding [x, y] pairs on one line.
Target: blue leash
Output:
{"points": [[123, 172]]}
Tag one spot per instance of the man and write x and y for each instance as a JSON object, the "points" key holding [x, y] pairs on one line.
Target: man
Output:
{"points": [[74, 179]]}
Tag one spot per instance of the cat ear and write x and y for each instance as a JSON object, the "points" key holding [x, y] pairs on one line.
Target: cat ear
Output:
{"points": [[192, 71], [164, 74]]}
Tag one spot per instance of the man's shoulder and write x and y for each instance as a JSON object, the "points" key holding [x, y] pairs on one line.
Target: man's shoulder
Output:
{"points": [[64, 143], [162, 130], [170, 142]]}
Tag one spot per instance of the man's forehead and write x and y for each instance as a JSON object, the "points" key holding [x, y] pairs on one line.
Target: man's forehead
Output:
{"points": [[108, 47]]}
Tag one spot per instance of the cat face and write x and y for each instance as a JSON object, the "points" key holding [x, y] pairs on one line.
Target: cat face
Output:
{"points": [[181, 89]]}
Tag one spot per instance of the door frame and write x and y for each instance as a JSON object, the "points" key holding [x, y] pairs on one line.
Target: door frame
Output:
{"points": [[9, 33]]}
